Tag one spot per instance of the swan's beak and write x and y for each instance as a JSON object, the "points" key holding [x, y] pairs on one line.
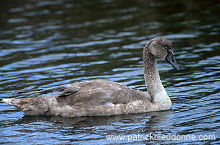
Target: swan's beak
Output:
{"points": [[171, 59]]}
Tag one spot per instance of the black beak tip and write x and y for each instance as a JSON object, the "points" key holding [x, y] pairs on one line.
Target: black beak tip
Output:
{"points": [[177, 68], [171, 59]]}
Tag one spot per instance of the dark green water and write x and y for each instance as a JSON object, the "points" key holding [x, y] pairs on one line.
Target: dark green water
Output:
{"points": [[50, 43]]}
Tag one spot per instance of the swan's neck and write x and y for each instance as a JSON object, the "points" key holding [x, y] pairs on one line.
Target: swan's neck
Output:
{"points": [[152, 79]]}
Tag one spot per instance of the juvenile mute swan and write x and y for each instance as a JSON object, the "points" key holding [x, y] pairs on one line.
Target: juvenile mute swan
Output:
{"points": [[104, 98]]}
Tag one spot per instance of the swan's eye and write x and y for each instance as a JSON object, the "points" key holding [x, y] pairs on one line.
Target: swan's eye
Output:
{"points": [[166, 47]]}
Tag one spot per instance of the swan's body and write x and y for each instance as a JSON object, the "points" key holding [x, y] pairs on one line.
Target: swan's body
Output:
{"points": [[104, 98]]}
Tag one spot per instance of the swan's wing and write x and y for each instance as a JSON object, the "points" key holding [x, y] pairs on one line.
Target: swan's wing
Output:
{"points": [[99, 93], [69, 90]]}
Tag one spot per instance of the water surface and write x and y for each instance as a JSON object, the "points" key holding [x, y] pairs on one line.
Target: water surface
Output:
{"points": [[50, 43]]}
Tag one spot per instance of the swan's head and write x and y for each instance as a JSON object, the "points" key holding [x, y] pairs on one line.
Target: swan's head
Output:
{"points": [[162, 48]]}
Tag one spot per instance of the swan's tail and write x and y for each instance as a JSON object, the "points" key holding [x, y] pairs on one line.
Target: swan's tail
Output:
{"points": [[40, 105], [31, 106], [7, 101]]}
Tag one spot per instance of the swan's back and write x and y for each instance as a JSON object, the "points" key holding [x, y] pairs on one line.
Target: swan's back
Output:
{"points": [[100, 92]]}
